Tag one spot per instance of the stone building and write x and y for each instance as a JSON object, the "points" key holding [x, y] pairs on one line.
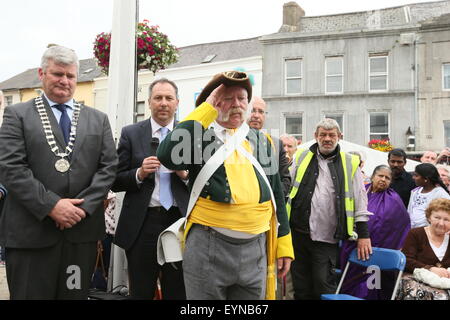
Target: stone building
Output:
{"points": [[367, 70]]}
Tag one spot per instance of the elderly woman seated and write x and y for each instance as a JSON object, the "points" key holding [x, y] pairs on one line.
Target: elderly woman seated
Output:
{"points": [[426, 248], [388, 227]]}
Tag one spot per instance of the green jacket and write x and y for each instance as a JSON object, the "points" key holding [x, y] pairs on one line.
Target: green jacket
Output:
{"points": [[191, 144]]}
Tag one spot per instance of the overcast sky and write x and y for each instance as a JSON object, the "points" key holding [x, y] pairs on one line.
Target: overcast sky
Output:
{"points": [[27, 26]]}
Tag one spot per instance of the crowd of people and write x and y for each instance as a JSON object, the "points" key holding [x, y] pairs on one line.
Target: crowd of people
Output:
{"points": [[261, 217]]}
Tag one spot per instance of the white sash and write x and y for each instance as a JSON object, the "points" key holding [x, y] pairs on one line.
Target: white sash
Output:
{"points": [[169, 241]]}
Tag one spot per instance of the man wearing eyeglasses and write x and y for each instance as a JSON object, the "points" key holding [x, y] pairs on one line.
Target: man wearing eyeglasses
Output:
{"points": [[256, 121], [235, 237], [327, 204]]}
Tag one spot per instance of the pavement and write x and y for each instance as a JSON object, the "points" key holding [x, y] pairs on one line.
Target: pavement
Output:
{"points": [[4, 292]]}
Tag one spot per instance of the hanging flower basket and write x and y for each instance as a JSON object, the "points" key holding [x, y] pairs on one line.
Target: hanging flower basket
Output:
{"points": [[381, 145], [153, 49]]}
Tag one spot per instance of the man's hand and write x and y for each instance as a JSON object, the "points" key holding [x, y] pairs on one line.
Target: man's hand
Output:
{"points": [[182, 174], [364, 249], [215, 96], [443, 154], [149, 165], [283, 266], [66, 213]]}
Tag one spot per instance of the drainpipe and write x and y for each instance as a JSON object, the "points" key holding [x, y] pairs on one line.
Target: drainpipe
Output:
{"points": [[416, 94]]}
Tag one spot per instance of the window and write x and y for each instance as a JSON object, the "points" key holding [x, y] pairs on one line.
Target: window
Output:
{"points": [[339, 117], [446, 76], [293, 69], [334, 75], [378, 73], [447, 133], [8, 100], [379, 125], [294, 125], [139, 112]]}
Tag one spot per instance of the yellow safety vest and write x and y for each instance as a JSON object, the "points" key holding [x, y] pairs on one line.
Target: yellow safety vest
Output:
{"points": [[349, 164]]}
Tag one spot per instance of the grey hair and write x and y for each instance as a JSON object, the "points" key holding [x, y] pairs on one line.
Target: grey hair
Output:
{"points": [[328, 124], [380, 167], [445, 167], [163, 80], [59, 55], [288, 136]]}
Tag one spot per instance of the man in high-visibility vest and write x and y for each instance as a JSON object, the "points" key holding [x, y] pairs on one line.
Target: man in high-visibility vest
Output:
{"points": [[327, 203]]}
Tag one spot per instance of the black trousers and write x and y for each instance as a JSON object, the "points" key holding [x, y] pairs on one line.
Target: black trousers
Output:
{"points": [[62, 271], [143, 267], [313, 270]]}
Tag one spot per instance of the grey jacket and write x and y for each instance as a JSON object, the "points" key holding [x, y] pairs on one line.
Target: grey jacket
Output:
{"points": [[34, 186]]}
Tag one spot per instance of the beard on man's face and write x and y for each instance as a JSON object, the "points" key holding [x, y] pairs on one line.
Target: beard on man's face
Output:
{"points": [[328, 148], [396, 171]]}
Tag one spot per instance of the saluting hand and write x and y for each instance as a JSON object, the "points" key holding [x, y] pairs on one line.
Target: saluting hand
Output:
{"points": [[215, 96]]}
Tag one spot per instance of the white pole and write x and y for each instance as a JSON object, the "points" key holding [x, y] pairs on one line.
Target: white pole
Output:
{"points": [[120, 106], [2, 106], [122, 65]]}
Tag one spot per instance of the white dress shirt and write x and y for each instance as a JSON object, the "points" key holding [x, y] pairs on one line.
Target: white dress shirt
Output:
{"points": [[156, 133], [58, 113]]}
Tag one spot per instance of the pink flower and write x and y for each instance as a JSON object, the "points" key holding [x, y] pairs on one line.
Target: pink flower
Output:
{"points": [[141, 43]]}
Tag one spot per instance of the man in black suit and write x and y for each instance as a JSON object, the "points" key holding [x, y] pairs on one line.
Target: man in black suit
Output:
{"points": [[57, 161], [155, 197]]}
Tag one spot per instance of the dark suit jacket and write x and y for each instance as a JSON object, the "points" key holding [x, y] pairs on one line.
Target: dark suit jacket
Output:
{"points": [[283, 167], [134, 146], [34, 186], [3, 193]]}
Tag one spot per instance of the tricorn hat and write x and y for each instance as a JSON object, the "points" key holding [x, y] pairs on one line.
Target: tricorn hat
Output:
{"points": [[229, 79]]}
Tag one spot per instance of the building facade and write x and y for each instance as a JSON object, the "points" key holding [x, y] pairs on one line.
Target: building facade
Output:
{"points": [[195, 68], [362, 69], [382, 74], [433, 46]]}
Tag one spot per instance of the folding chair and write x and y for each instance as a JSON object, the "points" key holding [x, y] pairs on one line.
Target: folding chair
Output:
{"points": [[385, 259]]}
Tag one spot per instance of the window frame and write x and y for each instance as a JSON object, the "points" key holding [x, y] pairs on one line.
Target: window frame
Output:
{"points": [[293, 115], [341, 58], [300, 77], [447, 138], [388, 124], [137, 115], [443, 76], [8, 103], [377, 74]]}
